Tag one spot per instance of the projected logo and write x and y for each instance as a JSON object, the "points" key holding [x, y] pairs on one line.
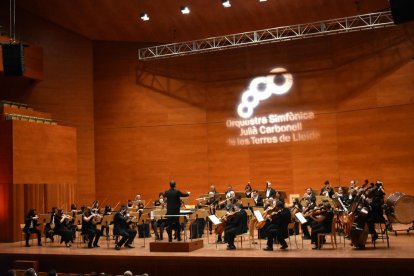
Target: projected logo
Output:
{"points": [[278, 82]]}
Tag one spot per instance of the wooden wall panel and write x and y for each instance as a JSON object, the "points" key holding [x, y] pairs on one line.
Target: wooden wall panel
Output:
{"points": [[44, 154], [178, 108], [66, 91]]}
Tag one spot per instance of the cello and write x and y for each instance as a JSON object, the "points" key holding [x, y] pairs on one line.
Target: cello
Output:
{"points": [[222, 226]]}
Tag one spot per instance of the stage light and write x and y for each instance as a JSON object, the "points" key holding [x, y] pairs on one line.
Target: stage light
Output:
{"points": [[185, 10], [144, 16], [262, 0], [226, 3]]}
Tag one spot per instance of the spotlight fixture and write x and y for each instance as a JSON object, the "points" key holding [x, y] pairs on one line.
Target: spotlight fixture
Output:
{"points": [[144, 16], [226, 3], [185, 10], [262, 0]]}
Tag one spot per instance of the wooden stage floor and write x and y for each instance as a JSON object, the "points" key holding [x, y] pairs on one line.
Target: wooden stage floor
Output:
{"points": [[246, 260]]}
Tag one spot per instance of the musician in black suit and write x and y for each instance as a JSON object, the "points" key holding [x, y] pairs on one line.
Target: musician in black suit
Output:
{"points": [[121, 228], [30, 226], [327, 190], [173, 209], [323, 223], [62, 227], [89, 228], [269, 191], [235, 226], [278, 227], [257, 198]]}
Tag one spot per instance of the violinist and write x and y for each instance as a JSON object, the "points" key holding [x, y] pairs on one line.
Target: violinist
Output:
{"points": [[62, 222], [269, 191], [30, 226], [228, 191], [235, 226], [327, 190], [257, 198], [161, 201], [323, 222], [309, 195], [89, 228], [229, 202], [50, 226], [213, 189], [121, 220], [278, 228]]}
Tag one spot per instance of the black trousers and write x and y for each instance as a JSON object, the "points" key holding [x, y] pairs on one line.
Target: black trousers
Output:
{"points": [[93, 236], [36, 231], [274, 232], [173, 223], [158, 224], [66, 235], [128, 236], [230, 234], [317, 229]]}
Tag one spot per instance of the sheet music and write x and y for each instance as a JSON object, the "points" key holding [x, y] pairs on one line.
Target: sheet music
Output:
{"points": [[301, 218], [258, 216], [214, 219]]}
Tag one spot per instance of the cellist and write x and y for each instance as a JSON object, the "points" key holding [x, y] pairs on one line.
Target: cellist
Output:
{"points": [[235, 226]]}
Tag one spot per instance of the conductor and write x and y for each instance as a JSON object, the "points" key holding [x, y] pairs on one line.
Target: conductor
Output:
{"points": [[173, 210]]}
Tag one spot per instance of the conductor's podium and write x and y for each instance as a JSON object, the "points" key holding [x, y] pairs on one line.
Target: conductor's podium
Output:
{"points": [[176, 246]]}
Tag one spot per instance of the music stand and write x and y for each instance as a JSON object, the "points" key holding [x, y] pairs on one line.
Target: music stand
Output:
{"points": [[248, 202], [262, 194], [184, 200], [240, 194], [143, 218], [108, 219]]}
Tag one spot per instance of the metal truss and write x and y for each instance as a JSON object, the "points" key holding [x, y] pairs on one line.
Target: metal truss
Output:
{"points": [[328, 27]]}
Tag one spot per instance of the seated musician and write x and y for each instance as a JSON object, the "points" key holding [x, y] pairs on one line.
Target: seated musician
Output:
{"points": [[323, 223], [269, 191], [228, 203], [327, 190], [62, 227], [30, 226], [257, 198], [228, 191], [310, 204], [248, 190], [121, 220], [159, 224], [161, 201], [235, 226], [278, 227], [342, 196], [212, 204], [89, 227], [105, 228], [213, 189], [50, 226]]}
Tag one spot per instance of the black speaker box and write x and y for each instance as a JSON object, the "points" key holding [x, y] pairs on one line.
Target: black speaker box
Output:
{"points": [[13, 59], [402, 10]]}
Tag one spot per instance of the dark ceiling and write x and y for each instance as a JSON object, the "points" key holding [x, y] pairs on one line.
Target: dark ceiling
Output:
{"points": [[118, 20]]}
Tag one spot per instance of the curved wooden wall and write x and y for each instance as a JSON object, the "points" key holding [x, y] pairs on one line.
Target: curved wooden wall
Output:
{"points": [[165, 119]]}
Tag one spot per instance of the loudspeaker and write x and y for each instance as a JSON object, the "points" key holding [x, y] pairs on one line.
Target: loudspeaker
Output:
{"points": [[402, 10], [13, 59]]}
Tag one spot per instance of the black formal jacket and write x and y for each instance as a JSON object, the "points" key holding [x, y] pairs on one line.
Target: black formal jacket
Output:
{"points": [[259, 201], [173, 201], [28, 221], [120, 224], [281, 221], [272, 193], [239, 222]]}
